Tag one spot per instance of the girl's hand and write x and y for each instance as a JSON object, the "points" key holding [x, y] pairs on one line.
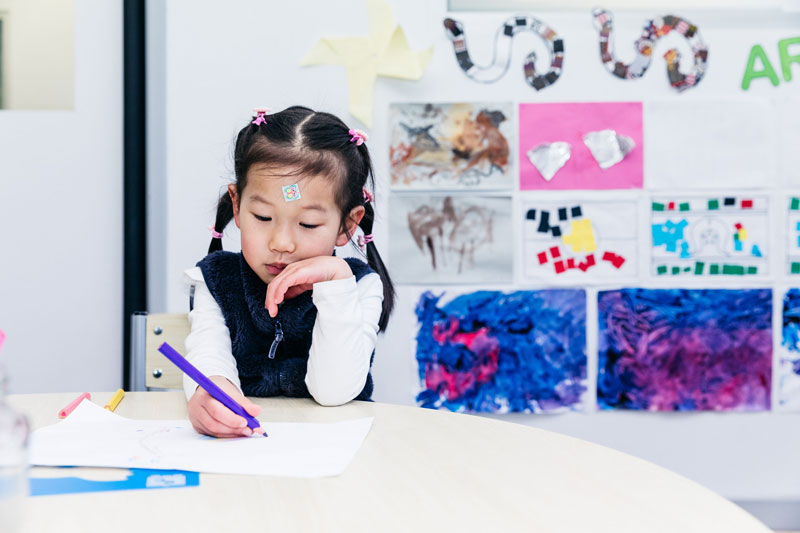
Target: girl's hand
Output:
{"points": [[209, 417], [301, 276]]}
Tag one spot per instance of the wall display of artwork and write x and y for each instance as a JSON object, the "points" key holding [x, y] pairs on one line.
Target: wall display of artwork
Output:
{"points": [[452, 146], [495, 352], [684, 350], [581, 146], [709, 236], [695, 348], [450, 239], [581, 241]]}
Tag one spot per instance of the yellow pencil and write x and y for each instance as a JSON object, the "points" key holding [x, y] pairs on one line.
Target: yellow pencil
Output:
{"points": [[114, 401]]}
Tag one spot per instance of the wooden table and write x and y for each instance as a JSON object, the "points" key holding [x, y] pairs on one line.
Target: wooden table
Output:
{"points": [[418, 470]]}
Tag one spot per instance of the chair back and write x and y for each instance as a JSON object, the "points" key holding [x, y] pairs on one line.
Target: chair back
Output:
{"points": [[172, 328]]}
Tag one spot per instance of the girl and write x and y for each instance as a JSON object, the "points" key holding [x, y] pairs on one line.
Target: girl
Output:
{"points": [[286, 317]]}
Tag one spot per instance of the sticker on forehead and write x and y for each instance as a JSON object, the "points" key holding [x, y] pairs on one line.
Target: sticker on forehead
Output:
{"points": [[291, 192]]}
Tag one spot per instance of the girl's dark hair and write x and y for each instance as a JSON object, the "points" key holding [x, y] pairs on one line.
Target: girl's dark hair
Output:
{"points": [[305, 142]]}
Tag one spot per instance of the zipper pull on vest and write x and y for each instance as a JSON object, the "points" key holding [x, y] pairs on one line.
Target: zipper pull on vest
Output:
{"points": [[278, 338]]}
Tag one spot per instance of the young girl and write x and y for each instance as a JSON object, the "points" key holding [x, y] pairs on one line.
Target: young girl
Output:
{"points": [[286, 317]]}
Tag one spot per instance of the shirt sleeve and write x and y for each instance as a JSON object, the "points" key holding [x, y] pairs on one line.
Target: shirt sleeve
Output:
{"points": [[208, 346], [343, 337]]}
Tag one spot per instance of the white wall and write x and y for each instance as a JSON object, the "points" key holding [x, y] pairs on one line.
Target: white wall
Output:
{"points": [[38, 43], [60, 210], [222, 64]]}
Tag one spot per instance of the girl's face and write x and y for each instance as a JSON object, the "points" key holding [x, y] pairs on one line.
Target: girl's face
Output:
{"points": [[276, 232]]}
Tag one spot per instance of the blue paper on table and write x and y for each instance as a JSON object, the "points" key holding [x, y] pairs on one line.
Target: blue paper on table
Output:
{"points": [[138, 478]]}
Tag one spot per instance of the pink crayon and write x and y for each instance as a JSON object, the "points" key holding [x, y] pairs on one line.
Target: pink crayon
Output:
{"points": [[2, 338], [64, 413]]}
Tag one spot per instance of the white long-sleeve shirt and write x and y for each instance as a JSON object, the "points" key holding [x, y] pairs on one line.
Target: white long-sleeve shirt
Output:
{"points": [[342, 341]]}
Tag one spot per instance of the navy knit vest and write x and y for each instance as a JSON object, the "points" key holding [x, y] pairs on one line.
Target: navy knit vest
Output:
{"points": [[240, 294]]}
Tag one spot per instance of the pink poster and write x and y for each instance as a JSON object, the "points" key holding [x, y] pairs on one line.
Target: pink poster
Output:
{"points": [[581, 146]]}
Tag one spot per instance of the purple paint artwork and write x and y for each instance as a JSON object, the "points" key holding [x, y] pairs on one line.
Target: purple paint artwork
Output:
{"points": [[685, 350], [494, 352]]}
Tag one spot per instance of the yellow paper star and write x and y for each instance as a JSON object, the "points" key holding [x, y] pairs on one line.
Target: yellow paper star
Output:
{"points": [[384, 52]]}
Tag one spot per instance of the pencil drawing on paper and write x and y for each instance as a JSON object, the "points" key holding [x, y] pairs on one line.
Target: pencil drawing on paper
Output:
{"points": [[454, 234], [450, 238]]}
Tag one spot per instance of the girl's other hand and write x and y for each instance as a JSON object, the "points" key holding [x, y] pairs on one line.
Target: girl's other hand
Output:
{"points": [[301, 276], [210, 417]]}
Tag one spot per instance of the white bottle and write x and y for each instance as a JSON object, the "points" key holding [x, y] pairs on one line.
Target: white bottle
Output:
{"points": [[14, 432]]}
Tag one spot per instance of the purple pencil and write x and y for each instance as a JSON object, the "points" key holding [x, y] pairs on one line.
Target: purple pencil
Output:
{"points": [[190, 370]]}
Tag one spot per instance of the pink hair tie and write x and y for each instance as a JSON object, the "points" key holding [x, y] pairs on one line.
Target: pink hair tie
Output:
{"points": [[367, 195], [214, 233], [358, 137], [363, 240], [260, 112]]}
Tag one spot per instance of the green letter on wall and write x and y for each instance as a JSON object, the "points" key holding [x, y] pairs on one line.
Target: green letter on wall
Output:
{"points": [[786, 59], [768, 72]]}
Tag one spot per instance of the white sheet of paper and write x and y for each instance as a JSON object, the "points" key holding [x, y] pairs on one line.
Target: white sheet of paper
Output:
{"points": [[93, 436], [703, 144]]}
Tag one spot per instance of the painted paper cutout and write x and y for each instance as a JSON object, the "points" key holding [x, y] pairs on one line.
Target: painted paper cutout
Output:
{"points": [[653, 30], [492, 352], [788, 372], [608, 147], [502, 51], [548, 158], [709, 236], [384, 52], [793, 236], [579, 241], [685, 350], [450, 239], [548, 123], [451, 146]]}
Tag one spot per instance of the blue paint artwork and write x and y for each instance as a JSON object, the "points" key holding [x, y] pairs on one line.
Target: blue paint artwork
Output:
{"points": [[494, 352], [756, 251], [139, 478]]}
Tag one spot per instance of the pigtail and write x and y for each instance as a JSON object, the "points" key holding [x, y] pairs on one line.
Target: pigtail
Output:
{"points": [[376, 263], [224, 215]]}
